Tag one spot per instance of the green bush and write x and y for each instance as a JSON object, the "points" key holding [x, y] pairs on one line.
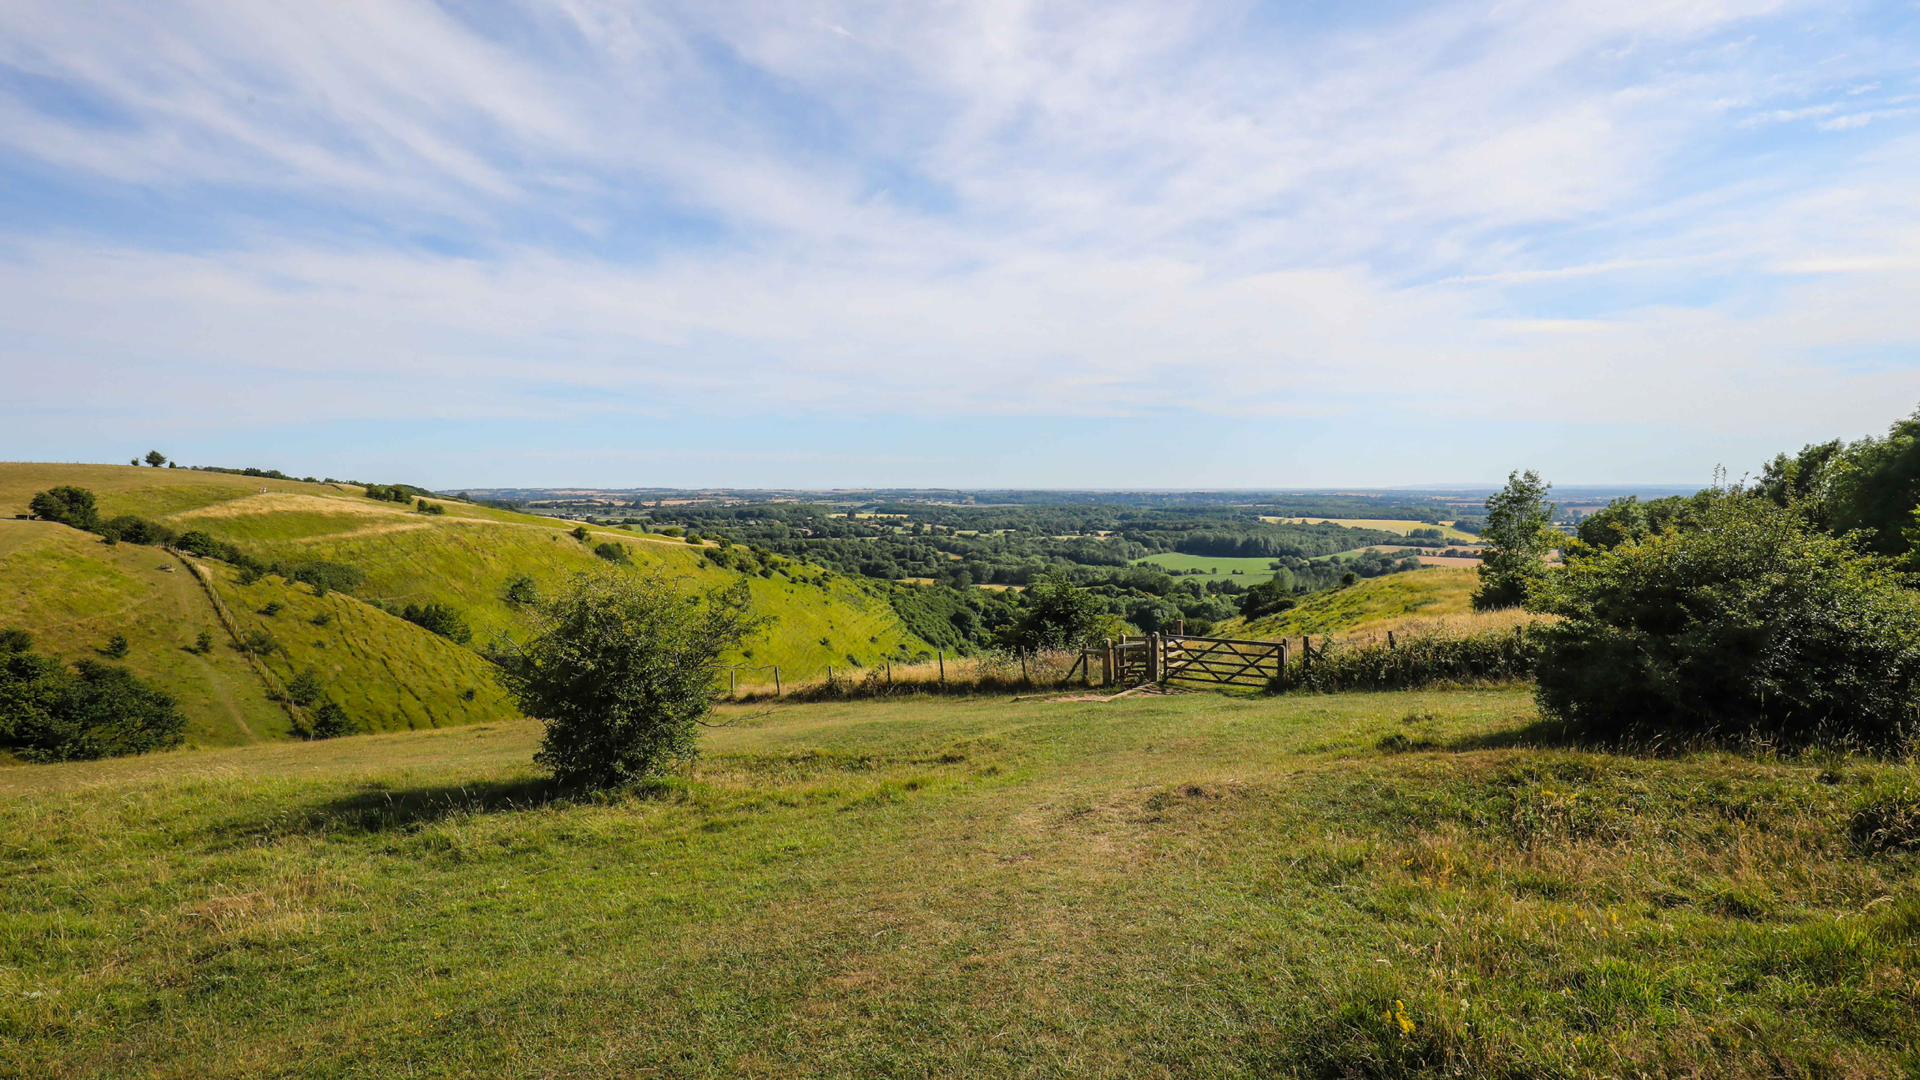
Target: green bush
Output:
{"points": [[67, 505], [1269, 597], [48, 713], [259, 643], [117, 647], [522, 590], [1746, 623], [331, 721], [614, 552], [442, 620], [137, 530], [623, 669], [203, 642], [327, 576], [1425, 660], [305, 688]]}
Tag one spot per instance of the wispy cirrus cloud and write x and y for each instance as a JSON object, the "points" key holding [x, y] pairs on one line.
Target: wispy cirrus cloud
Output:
{"points": [[575, 207]]}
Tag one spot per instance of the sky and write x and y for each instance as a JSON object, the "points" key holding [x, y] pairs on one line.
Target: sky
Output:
{"points": [[953, 243]]}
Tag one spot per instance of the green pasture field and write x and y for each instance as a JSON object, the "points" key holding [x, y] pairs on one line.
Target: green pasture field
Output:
{"points": [[1392, 885], [1252, 571], [1432, 599]]}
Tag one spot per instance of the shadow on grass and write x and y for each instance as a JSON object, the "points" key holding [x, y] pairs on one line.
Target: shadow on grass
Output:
{"points": [[376, 808]]}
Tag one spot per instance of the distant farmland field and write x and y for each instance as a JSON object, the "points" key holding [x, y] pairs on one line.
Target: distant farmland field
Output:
{"points": [[1401, 526], [1250, 571]]}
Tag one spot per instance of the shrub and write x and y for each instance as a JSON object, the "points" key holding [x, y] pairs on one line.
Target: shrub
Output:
{"points": [[442, 620], [50, 714], [1747, 623], [1417, 661], [203, 642], [614, 552], [305, 688], [195, 542], [137, 530], [580, 533], [321, 618], [258, 643], [67, 505], [623, 668], [425, 507], [1269, 597], [272, 608], [522, 590], [331, 721], [117, 647], [327, 576], [1060, 615]]}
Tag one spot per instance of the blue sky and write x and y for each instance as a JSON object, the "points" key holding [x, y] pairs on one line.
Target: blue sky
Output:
{"points": [[962, 244]]}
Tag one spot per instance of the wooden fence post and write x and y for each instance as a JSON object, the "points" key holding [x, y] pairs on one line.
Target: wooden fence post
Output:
{"points": [[1106, 663], [943, 666], [889, 674], [1389, 639], [1024, 677], [776, 680], [1153, 658], [1179, 628], [733, 680]]}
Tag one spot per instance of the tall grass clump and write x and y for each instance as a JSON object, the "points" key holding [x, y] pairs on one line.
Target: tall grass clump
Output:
{"points": [[1417, 661], [1746, 624], [997, 672]]}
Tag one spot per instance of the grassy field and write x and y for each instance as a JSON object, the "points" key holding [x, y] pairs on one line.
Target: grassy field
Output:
{"points": [[1188, 886], [73, 591], [1418, 601], [1250, 571]]}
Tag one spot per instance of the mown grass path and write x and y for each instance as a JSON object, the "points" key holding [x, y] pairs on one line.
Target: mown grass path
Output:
{"points": [[1385, 885]]}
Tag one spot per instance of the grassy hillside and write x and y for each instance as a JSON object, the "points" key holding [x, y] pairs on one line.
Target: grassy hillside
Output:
{"points": [[1177, 886], [1417, 600], [74, 592], [1245, 572], [386, 672]]}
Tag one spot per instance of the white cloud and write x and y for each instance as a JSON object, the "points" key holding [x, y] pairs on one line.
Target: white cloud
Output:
{"points": [[993, 207]]}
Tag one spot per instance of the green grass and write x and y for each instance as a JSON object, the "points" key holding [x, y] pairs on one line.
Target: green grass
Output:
{"points": [[386, 672], [1251, 571], [1435, 595], [74, 592], [1181, 886]]}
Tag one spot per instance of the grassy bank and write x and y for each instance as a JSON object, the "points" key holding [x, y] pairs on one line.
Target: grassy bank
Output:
{"points": [[1381, 885]]}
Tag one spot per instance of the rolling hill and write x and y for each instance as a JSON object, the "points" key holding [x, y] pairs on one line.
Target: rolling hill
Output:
{"points": [[73, 591], [1424, 600]]}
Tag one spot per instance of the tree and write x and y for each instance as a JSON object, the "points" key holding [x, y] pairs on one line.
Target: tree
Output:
{"points": [[67, 505], [1059, 615], [48, 713], [440, 619], [117, 647], [1518, 540], [522, 590], [580, 533], [623, 668], [1747, 621], [331, 721], [156, 459], [305, 688]]}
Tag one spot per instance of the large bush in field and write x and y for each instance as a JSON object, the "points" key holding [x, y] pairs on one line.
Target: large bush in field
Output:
{"points": [[623, 668], [94, 710], [1744, 622]]}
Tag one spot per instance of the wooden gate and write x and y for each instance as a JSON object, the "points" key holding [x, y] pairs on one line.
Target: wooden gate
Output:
{"points": [[1224, 661], [1135, 661]]}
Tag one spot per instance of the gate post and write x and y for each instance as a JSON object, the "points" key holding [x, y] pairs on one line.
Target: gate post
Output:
{"points": [[1106, 664], [1153, 657]]}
